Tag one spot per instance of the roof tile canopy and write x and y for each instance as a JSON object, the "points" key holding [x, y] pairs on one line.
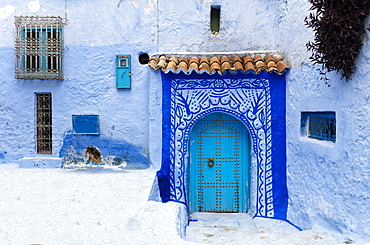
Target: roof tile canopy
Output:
{"points": [[212, 64]]}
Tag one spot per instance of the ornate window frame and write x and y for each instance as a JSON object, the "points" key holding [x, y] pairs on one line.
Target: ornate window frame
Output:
{"points": [[39, 47]]}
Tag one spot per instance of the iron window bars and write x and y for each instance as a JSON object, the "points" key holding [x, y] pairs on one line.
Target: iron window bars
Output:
{"points": [[319, 125], [39, 46], [44, 123]]}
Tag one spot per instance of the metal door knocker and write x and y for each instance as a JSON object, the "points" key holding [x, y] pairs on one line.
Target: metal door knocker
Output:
{"points": [[211, 162]]}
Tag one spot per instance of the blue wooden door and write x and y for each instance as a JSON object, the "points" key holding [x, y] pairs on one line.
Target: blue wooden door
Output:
{"points": [[219, 165]]}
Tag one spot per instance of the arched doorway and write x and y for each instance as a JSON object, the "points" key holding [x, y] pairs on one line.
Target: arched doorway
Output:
{"points": [[258, 101], [219, 165]]}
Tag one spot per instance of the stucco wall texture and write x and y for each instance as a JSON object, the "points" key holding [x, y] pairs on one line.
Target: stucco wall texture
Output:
{"points": [[328, 183]]}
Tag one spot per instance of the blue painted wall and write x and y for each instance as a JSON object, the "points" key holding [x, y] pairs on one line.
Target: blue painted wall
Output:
{"points": [[89, 87], [113, 153], [95, 33]]}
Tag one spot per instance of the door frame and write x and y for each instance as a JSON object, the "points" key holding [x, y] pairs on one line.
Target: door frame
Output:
{"points": [[258, 101]]}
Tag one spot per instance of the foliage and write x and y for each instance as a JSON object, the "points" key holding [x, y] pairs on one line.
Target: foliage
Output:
{"points": [[339, 27]]}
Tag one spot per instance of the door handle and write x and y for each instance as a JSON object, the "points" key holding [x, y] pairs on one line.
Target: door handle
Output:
{"points": [[211, 162]]}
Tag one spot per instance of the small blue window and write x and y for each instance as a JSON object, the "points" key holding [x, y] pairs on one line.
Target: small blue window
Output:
{"points": [[85, 124], [319, 125], [123, 71]]}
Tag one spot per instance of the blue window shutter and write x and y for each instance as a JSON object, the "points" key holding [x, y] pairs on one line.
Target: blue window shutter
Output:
{"points": [[123, 71]]}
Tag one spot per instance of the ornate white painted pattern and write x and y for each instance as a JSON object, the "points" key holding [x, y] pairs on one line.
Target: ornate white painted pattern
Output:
{"points": [[247, 99]]}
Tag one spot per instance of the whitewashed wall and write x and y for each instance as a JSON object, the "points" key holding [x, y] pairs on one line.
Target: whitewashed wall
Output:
{"points": [[328, 183]]}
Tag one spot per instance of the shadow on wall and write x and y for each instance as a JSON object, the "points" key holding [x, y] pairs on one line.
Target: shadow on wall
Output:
{"points": [[90, 151]]}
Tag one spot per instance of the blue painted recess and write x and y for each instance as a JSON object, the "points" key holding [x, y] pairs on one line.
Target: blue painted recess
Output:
{"points": [[113, 152], [319, 125], [219, 165], [85, 124]]}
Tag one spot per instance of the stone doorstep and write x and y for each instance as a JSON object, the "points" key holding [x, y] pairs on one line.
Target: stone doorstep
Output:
{"points": [[220, 220]]}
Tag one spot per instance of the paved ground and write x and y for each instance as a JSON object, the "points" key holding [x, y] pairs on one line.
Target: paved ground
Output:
{"points": [[40, 206]]}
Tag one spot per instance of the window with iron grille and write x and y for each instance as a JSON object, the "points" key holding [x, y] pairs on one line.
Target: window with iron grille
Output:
{"points": [[39, 47], [319, 125], [44, 123]]}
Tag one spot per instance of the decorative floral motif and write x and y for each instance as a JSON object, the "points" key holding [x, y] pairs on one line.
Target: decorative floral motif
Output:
{"points": [[247, 99]]}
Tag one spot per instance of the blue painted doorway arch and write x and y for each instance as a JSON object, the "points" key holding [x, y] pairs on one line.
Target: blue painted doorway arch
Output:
{"points": [[219, 165], [256, 100]]}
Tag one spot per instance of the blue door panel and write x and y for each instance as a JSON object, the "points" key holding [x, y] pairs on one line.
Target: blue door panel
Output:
{"points": [[123, 77], [219, 165]]}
